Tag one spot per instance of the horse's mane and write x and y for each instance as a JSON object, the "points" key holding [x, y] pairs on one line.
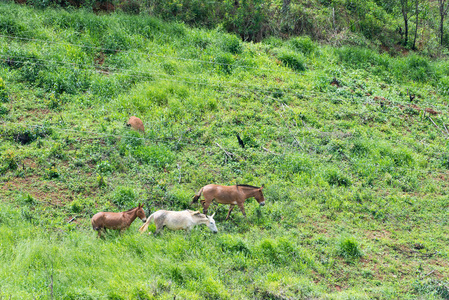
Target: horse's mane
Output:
{"points": [[131, 209], [247, 185]]}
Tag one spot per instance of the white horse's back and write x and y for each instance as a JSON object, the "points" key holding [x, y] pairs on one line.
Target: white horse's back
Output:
{"points": [[176, 220]]}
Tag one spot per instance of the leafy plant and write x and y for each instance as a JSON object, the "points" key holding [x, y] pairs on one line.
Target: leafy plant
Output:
{"points": [[124, 197], [349, 248], [3, 93], [292, 60]]}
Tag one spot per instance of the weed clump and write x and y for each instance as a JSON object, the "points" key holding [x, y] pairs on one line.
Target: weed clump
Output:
{"points": [[335, 177], [3, 93], [349, 248], [292, 60], [9, 161], [124, 197], [304, 45]]}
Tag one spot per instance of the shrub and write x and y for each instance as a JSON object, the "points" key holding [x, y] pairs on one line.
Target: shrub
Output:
{"points": [[335, 177], [292, 60], [231, 43], [124, 197], [104, 167], [304, 45], [349, 248]]}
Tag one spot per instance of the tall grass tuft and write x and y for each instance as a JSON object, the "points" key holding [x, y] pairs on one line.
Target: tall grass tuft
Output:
{"points": [[349, 248]]}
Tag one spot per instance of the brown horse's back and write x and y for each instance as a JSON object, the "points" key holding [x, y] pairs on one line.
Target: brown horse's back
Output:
{"points": [[221, 194], [108, 220]]}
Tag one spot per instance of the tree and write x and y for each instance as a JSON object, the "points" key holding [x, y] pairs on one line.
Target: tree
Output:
{"points": [[405, 9], [443, 6], [417, 22]]}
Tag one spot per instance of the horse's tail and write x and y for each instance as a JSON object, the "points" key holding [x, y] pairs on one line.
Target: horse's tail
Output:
{"points": [[144, 227], [197, 196]]}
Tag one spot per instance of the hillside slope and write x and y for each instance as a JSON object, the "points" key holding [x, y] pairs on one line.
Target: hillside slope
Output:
{"points": [[350, 145]]}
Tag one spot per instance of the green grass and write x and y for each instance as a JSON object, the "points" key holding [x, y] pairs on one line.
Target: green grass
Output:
{"points": [[355, 175]]}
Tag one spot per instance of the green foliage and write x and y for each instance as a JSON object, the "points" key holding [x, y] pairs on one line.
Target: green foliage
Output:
{"points": [[231, 43], [304, 45], [9, 160], [159, 156], [349, 248], [3, 93], [51, 173], [432, 288], [339, 147], [337, 178], [3, 110], [124, 197], [292, 60]]}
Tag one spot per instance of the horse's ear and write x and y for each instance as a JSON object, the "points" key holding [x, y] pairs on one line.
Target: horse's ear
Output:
{"points": [[212, 216], [140, 205], [262, 187]]}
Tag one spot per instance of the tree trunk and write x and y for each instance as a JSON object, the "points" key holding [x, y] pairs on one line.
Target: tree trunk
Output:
{"points": [[405, 16], [443, 13], [441, 29], [417, 23]]}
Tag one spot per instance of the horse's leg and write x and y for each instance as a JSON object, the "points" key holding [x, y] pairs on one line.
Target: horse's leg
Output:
{"points": [[159, 225], [231, 207], [242, 208]]}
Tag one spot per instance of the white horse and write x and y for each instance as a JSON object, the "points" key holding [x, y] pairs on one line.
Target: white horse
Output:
{"points": [[176, 220]]}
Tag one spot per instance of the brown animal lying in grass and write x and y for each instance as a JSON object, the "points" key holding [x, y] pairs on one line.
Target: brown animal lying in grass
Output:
{"points": [[136, 124]]}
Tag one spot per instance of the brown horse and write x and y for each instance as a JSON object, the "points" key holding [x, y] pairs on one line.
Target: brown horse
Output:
{"points": [[235, 194], [117, 221]]}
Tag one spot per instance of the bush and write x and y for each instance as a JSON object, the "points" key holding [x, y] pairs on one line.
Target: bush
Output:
{"points": [[304, 45], [292, 60], [335, 177], [349, 248], [231, 43], [124, 197]]}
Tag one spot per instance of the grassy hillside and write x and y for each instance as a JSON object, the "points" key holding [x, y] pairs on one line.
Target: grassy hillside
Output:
{"points": [[355, 172]]}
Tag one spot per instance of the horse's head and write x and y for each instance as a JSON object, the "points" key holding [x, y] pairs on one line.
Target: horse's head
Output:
{"points": [[141, 213], [259, 196], [211, 223]]}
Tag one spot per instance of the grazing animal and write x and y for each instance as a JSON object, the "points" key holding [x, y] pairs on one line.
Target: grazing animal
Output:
{"points": [[117, 221], [176, 220], [136, 124], [233, 195]]}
